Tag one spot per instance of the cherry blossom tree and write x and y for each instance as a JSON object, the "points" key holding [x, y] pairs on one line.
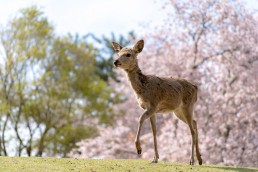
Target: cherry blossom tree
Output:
{"points": [[213, 43]]}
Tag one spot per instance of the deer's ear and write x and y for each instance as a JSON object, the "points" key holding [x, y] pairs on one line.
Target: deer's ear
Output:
{"points": [[139, 46], [116, 47]]}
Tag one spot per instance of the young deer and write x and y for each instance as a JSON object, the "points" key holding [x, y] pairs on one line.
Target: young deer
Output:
{"points": [[158, 95]]}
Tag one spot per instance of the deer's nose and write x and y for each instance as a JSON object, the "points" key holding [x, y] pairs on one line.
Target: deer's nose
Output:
{"points": [[116, 62]]}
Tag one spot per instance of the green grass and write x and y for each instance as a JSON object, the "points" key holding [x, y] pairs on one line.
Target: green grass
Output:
{"points": [[35, 164]]}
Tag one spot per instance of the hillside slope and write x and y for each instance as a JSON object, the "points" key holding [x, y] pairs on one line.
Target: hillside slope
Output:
{"points": [[36, 164]]}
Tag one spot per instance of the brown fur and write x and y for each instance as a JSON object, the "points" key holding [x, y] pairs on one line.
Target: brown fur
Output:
{"points": [[158, 94]]}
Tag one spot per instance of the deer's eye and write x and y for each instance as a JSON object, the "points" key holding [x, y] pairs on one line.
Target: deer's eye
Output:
{"points": [[128, 55]]}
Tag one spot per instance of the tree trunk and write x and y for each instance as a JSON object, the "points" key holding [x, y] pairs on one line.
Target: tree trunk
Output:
{"points": [[3, 134]]}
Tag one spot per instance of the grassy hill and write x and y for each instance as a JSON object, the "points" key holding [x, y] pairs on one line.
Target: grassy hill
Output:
{"points": [[35, 164]]}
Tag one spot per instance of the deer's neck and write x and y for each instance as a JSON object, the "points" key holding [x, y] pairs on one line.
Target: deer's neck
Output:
{"points": [[137, 79]]}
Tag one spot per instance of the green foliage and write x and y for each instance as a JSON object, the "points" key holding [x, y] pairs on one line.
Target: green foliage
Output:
{"points": [[64, 139], [48, 88], [34, 164]]}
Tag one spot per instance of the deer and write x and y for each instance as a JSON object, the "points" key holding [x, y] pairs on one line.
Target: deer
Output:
{"points": [[158, 95]]}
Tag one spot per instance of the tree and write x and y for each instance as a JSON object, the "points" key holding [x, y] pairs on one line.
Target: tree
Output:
{"points": [[50, 97], [214, 44]]}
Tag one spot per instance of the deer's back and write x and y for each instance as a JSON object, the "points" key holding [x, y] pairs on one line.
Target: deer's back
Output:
{"points": [[167, 93]]}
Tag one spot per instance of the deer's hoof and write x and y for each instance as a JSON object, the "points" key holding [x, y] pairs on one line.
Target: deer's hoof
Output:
{"points": [[154, 161], [199, 159], [138, 147], [200, 162], [191, 162], [139, 152]]}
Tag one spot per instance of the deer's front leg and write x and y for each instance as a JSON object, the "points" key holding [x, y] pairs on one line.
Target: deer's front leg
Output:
{"points": [[154, 132], [147, 114]]}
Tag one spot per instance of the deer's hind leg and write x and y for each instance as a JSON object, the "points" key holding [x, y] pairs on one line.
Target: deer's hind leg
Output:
{"points": [[193, 134], [185, 114], [197, 144]]}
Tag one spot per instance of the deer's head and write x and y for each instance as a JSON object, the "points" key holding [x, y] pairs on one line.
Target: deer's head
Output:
{"points": [[127, 57]]}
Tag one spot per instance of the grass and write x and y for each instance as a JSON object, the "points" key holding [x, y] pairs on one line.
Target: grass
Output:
{"points": [[36, 164]]}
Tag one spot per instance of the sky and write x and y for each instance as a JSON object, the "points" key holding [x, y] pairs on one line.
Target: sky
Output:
{"points": [[95, 16]]}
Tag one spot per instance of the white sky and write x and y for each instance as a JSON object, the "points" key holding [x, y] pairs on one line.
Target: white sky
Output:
{"points": [[95, 16], [84, 16]]}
